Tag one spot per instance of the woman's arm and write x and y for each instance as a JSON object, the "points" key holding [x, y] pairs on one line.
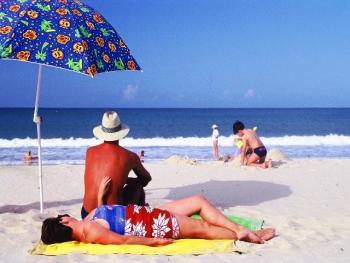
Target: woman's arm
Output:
{"points": [[103, 190], [95, 233]]}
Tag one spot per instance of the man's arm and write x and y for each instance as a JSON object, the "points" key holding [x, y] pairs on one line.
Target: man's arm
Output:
{"points": [[140, 171], [95, 233], [244, 151]]}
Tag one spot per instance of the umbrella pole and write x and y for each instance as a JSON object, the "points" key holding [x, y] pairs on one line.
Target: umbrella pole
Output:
{"points": [[37, 120]]}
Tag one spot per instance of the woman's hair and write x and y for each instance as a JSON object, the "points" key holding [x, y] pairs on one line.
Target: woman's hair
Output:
{"points": [[237, 126], [53, 231]]}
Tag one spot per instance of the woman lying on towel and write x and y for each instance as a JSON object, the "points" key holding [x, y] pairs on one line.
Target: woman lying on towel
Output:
{"points": [[143, 225]]}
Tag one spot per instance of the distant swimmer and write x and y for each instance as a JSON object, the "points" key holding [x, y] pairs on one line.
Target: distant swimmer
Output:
{"points": [[28, 157]]}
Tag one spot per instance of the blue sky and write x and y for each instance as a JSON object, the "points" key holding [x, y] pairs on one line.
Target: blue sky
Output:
{"points": [[207, 53]]}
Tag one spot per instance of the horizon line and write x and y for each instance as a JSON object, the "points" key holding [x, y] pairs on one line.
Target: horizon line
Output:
{"points": [[156, 108]]}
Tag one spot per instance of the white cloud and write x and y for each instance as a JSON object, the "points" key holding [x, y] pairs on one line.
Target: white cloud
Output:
{"points": [[250, 93], [129, 92]]}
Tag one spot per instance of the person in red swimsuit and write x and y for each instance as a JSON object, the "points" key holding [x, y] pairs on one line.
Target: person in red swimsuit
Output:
{"points": [[116, 224]]}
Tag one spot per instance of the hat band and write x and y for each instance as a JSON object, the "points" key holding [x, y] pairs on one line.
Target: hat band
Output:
{"points": [[112, 130]]}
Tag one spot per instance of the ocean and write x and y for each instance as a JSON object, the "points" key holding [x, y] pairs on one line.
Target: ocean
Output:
{"points": [[66, 133]]}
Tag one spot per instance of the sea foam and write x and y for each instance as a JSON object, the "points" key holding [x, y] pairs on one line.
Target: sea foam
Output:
{"points": [[314, 140]]}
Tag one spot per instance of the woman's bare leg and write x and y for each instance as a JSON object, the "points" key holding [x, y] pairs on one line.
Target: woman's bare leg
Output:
{"points": [[199, 205], [194, 228]]}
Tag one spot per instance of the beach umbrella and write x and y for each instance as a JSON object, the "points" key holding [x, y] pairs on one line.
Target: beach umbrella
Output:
{"points": [[65, 34]]}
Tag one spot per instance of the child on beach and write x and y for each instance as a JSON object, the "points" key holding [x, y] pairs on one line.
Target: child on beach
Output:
{"points": [[238, 142], [215, 139], [252, 142]]}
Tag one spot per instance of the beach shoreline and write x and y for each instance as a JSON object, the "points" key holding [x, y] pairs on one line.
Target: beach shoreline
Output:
{"points": [[305, 200]]}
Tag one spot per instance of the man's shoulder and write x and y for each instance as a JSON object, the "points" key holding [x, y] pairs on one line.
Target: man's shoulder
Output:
{"points": [[115, 148], [91, 148], [126, 151], [249, 133], [94, 148], [132, 155]]}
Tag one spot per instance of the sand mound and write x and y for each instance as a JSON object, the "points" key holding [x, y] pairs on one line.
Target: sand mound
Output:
{"points": [[276, 155], [236, 162], [179, 159]]}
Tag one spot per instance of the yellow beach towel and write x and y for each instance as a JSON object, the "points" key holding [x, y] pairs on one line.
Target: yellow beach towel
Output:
{"points": [[179, 247]]}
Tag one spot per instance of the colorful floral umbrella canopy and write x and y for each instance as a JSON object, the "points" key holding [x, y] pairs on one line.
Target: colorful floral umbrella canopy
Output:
{"points": [[61, 33]]}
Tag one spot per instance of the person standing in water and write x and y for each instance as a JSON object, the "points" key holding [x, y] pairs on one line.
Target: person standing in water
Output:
{"points": [[215, 138], [29, 158]]}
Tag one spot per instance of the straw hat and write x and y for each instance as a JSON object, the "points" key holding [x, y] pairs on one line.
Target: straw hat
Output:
{"points": [[111, 129], [214, 126]]}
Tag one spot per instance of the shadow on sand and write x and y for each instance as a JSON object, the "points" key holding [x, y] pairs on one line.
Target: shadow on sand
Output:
{"points": [[221, 193], [276, 164], [227, 194], [19, 209]]}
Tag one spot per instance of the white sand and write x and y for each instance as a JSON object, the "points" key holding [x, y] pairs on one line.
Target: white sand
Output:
{"points": [[307, 201]]}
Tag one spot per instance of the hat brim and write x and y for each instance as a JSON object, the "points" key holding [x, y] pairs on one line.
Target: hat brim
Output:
{"points": [[109, 137]]}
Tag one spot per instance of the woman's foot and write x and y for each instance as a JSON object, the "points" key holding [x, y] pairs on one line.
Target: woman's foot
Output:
{"points": [[248, 236], [266, 234], [257, 237]]}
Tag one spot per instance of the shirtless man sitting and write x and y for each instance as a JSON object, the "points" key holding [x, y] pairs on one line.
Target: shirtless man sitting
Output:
{"points": [[110, 159], [251, 142]]}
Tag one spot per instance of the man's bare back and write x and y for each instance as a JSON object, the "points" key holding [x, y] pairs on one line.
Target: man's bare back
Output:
{"points": [[251, 139], [110, 159]]}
